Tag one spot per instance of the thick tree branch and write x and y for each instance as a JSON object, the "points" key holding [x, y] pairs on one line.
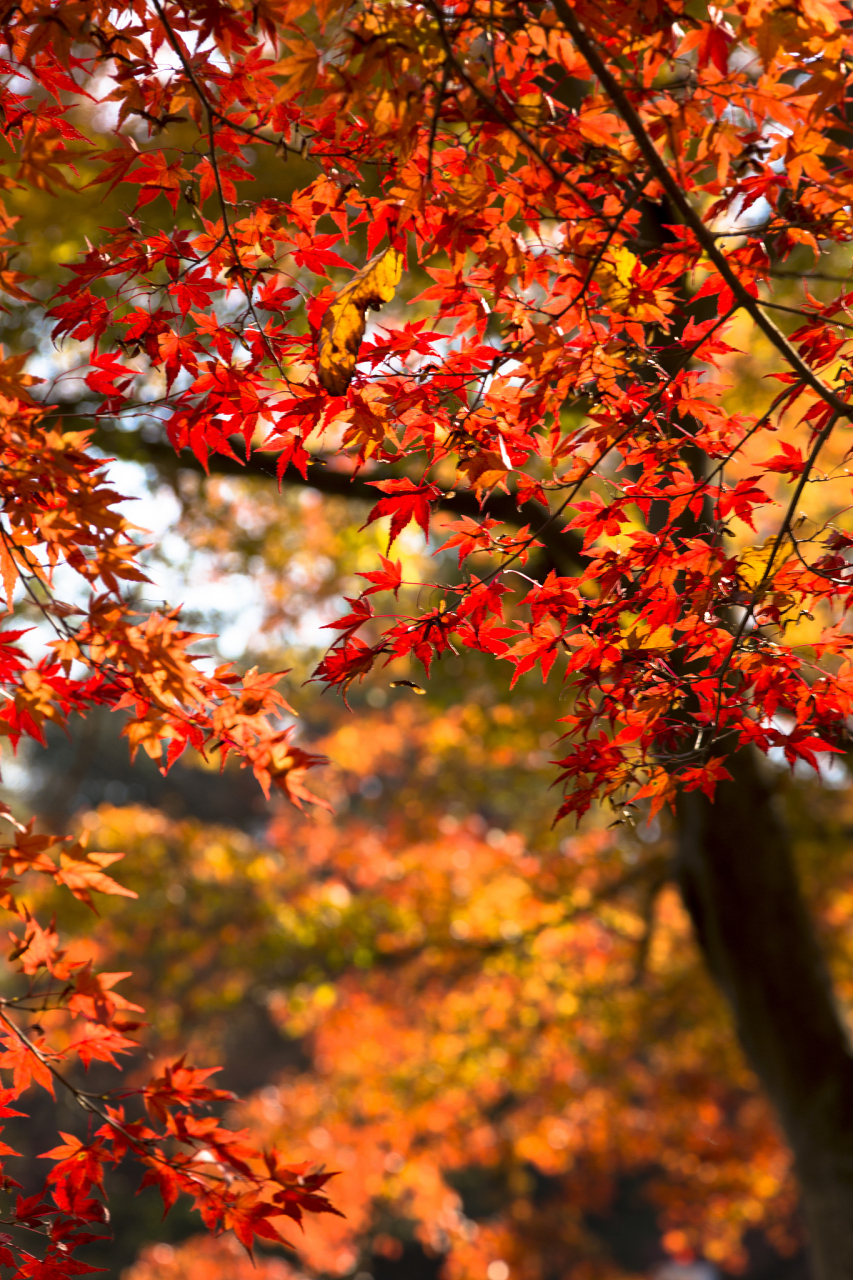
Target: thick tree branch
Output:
{"points": [[562, 549]]}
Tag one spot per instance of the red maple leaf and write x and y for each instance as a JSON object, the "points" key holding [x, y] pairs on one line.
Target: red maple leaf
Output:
{"points": [[406, 501]]}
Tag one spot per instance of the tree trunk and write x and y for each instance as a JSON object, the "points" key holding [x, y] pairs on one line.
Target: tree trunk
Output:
{"points": [[739, 884]]}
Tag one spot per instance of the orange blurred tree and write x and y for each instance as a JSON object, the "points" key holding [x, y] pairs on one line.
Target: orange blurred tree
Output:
{"points": [[498, 1036], [604, 205]]}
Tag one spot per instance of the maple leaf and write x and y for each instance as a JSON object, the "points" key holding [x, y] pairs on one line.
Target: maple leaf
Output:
{"points": [[26, 1064], [277, 762], [180, 1085], [38, 947], [343, 324], [389, 578], [5, 1149], [156, 175], [470, 536], [301, 69], [362, 611], [789, 460], [705, 777], [405, 501], [85, 1160], [94, 998], [348, 662], [100, 1044], [7, 1096], [81, 870], [291, 452]]}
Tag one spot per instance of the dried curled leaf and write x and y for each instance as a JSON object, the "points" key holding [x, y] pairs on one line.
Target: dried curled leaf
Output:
{"points": [[343, 324]]}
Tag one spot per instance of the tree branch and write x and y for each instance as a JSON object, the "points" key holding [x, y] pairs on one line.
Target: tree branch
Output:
{"points": [[691, 218], [563, 549]]}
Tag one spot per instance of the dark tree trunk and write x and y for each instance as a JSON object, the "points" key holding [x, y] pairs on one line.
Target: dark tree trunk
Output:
{"points": [[740, 886]]}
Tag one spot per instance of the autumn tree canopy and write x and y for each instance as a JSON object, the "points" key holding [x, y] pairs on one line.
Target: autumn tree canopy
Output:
{"points": [[575, 223]]}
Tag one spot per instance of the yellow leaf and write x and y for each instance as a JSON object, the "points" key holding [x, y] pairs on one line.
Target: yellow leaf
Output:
{"points": [[641, 637], [343, 324], [625, 293], [753, 562]]}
